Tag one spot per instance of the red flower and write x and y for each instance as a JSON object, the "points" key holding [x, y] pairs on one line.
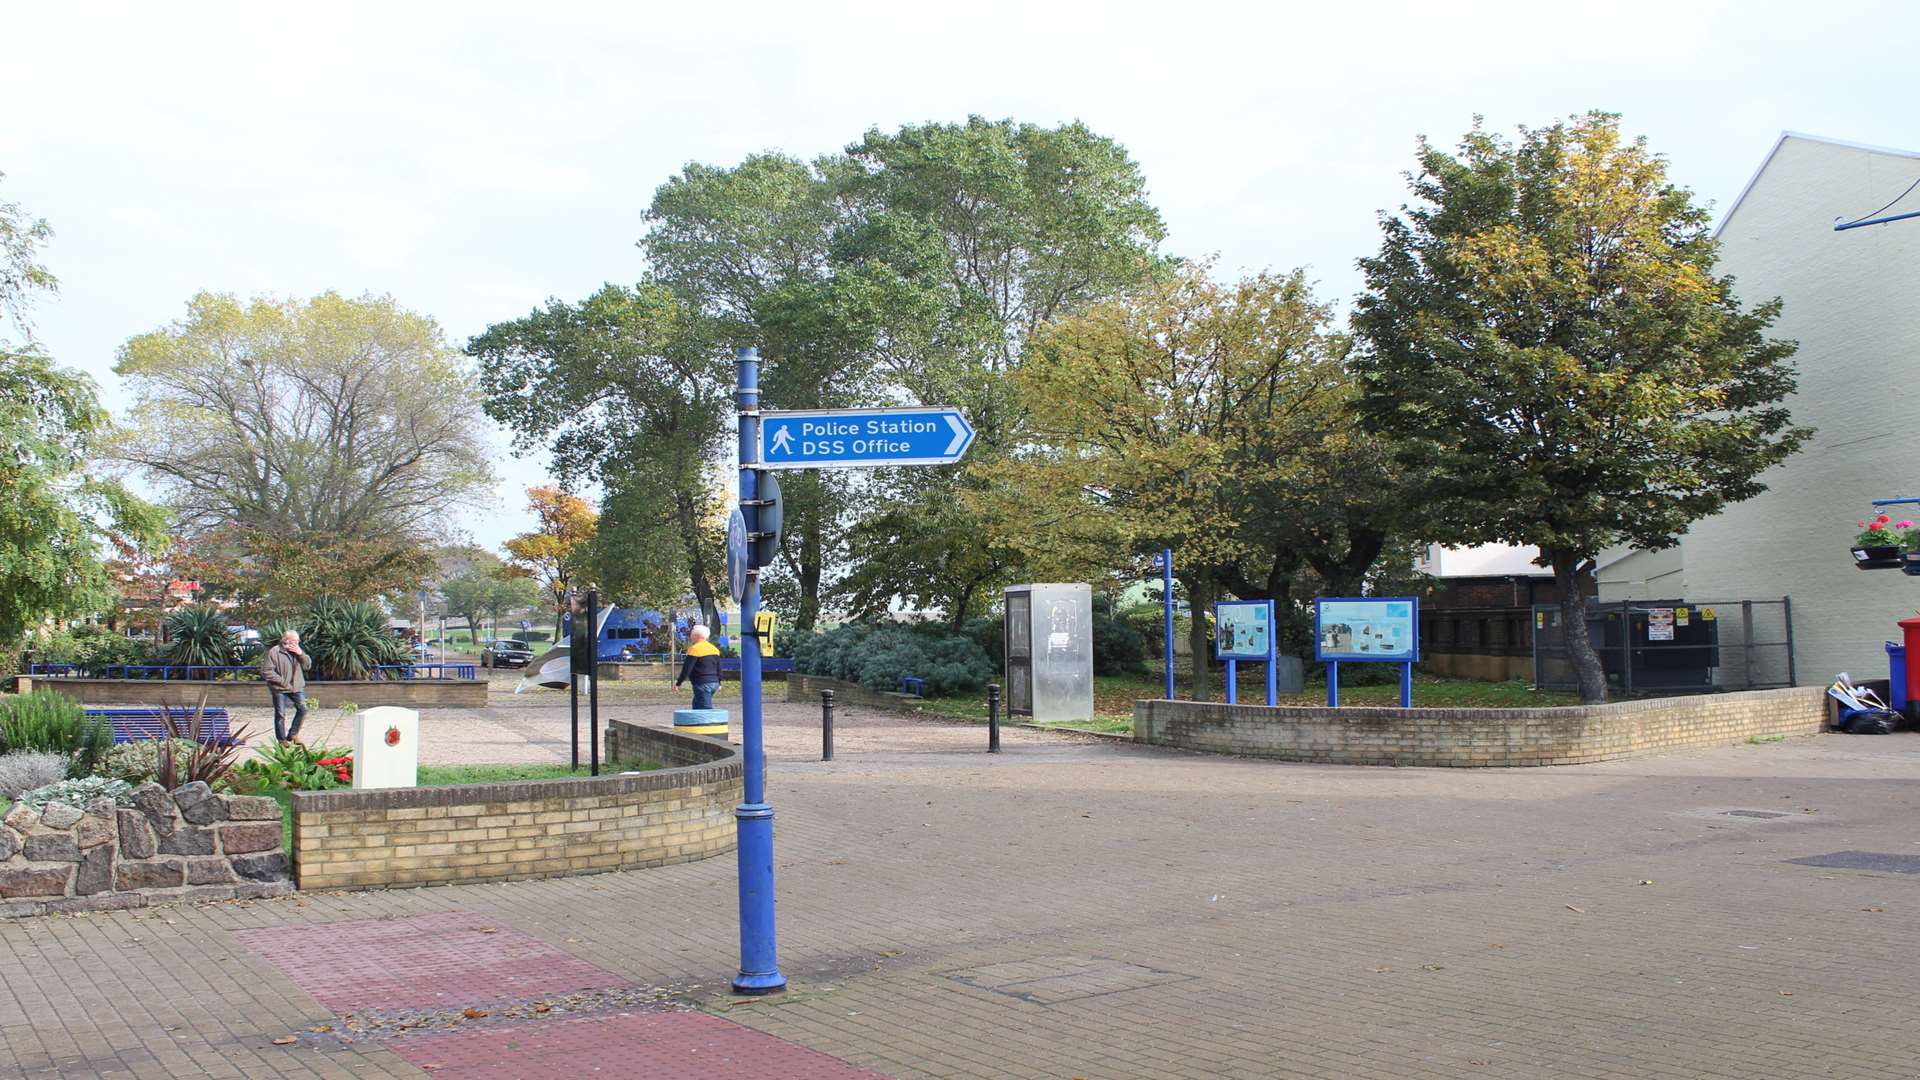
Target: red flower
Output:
{"points": [[1883, 519]]}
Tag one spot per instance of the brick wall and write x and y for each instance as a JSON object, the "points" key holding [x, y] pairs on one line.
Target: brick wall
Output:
{"points": [[1481, 737], [410, 693], [526, 828], [806, 688], [167, 847]]}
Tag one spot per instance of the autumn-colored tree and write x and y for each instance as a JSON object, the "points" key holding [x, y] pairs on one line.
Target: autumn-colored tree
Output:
{"points": [[551, 553], [1545, 338], [1189, 414]]}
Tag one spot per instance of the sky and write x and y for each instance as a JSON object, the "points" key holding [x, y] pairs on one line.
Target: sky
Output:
{"points": [[475, 160]]}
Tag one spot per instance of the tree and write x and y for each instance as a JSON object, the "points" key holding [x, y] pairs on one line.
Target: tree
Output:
{"points": [[58, 520], [1544, 332], [627, 388], [311, 430], [551, 553], [486, 588], [1182, 415]]}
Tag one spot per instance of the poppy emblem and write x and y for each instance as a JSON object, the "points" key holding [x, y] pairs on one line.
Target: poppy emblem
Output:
{"points": [[393, 736]]}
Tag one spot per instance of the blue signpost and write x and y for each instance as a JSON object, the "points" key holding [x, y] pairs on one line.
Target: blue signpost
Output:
{"points": [[1373, 630], [819, 439], [863, 438], [1166, 612], [1245, 630]]}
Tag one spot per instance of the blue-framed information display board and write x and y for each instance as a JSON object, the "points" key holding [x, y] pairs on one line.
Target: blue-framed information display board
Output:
{"points": [[1369, 629], [1245, 630]]}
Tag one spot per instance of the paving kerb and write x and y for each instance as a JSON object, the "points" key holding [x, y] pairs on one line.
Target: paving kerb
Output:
{"points": [[1327, 921]]}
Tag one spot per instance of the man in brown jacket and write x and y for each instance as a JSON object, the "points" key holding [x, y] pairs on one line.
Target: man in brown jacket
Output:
{"points": [[284, 670]]}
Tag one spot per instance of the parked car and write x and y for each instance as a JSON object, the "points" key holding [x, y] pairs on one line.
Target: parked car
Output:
{"points": [[505, 653]]}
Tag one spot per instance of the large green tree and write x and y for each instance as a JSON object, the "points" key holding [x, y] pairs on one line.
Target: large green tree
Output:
{"points": [[1544, 334], [324, 442], [58, 519], [629, 389]]}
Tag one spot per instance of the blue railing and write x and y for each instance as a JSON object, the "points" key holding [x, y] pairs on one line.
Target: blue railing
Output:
{"points": [[239, 673]]}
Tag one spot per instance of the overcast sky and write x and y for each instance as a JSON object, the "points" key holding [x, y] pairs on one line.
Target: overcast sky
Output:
{"points": [[474, 160]]}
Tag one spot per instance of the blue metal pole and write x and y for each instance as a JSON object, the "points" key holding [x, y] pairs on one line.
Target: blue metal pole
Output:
{"points": [[1406, 686], [1233, 682], [1845, 225], [1333, 684], [1166, 602], [759, 960], [1273, 658]]}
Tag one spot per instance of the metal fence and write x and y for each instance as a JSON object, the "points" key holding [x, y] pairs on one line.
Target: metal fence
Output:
{"points": [[242, 673], [1673, 646]]}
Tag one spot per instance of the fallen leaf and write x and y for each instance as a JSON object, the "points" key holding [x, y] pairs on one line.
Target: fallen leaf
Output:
{"points": [[322, 1029], [286, 1040], [1496, 945], [1647, 881], [1784, 993], [1582, 911], [1873, 909], [1432, 967], [1383, 969], [472, 1013], [541, 1006], [491, 930]]}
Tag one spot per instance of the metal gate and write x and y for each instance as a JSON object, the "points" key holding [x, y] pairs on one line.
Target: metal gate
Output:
{"points": [[1673, 646]]}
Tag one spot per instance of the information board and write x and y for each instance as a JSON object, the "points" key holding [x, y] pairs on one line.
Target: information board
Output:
{"points": [[1243, 629], [1383, 628]]}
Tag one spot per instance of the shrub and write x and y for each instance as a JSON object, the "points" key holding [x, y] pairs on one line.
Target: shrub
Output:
{"points": [[303, 768], [79, 792], [346, 640], [877, 656], [212, 763], [50, 721], [25, 770], [138, 762], [1117, 647], [200, 638]]}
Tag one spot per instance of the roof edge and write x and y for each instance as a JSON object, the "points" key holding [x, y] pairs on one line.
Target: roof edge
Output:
{"points": [[1734, 206]]}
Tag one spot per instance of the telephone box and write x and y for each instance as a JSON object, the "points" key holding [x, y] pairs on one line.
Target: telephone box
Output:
{"points": [[1049, 651]]}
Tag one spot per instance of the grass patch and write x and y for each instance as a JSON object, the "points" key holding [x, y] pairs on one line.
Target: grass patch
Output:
{"points": [[1762, 740]]}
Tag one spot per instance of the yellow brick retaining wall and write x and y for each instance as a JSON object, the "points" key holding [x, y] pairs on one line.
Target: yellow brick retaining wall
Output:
{"points": [[1481, 737], [526, 828]]}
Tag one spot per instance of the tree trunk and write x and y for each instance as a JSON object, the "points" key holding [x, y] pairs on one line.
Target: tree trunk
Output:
{"points": [[687, 514], [1571, 572], [809, 577], [1199, 599]]}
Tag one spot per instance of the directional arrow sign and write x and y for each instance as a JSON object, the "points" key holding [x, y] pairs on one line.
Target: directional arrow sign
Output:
{"points": [[863, 438]]}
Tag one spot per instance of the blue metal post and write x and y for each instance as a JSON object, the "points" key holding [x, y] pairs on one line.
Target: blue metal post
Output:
{"points": [[1333, 684], [1166, 601], [1406, 686], [759, 962], [1233, 682], [1273, 657]]}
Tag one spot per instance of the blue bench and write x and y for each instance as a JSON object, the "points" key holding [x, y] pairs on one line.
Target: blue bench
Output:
{"points": [[143, 722], [913, 684]]}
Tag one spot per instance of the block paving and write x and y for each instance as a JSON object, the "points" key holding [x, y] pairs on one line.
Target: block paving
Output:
{"points": [[1080, 908]]}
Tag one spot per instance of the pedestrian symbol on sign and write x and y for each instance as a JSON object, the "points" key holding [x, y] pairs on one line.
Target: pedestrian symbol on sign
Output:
{"points": [[782, 440]]}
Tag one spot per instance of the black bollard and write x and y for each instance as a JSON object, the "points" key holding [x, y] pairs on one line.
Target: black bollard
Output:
{"points": [[993, 718], [826, 725], [593, 679]]}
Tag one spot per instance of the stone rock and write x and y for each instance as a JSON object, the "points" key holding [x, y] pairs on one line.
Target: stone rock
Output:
{"points": [[136, 836], [59, 816], [187, 840], [152, 874], [51, 847], [206, 812], [252, 808], [9, 843], [211, 871], [153, 801], [95, 873], [191, 794], [22, 819], [254, 836], [268, 866], [102, 807], [34, 881], [93, 831]]}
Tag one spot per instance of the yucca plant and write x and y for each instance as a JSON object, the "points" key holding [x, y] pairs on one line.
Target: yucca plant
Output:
{"points": [[200, 638], [347, 640], [213, 763]]}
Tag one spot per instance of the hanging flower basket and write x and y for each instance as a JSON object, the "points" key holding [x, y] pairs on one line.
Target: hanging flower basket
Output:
{"points": [[1878, 557]]}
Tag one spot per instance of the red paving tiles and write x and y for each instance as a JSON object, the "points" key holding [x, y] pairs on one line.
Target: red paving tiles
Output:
{"points": [[446, 960], [656, 1045]]}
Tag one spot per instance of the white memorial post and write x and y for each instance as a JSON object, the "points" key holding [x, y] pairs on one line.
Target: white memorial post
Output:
{"points": [[386, 747]]}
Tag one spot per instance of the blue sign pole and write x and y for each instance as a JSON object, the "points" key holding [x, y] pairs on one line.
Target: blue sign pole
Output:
{"points": [[759, 962], [1273, 656], [1166, 601], [1233, 682]]}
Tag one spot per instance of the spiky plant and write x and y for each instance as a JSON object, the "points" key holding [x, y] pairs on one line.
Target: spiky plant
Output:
{"points": [[199, 638], [347, 640]]}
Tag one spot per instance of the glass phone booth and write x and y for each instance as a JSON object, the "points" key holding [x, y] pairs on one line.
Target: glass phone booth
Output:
{"points": [[1049, 651]]}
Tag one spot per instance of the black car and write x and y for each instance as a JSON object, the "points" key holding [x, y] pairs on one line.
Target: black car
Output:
{"points": [[505, 653]]}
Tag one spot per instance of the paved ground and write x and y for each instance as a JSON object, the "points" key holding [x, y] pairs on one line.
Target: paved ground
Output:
{"points": [[1073, 908]]}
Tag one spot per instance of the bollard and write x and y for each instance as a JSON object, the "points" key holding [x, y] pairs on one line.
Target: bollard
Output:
{"points": [[993, 718], [826, 725]]}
